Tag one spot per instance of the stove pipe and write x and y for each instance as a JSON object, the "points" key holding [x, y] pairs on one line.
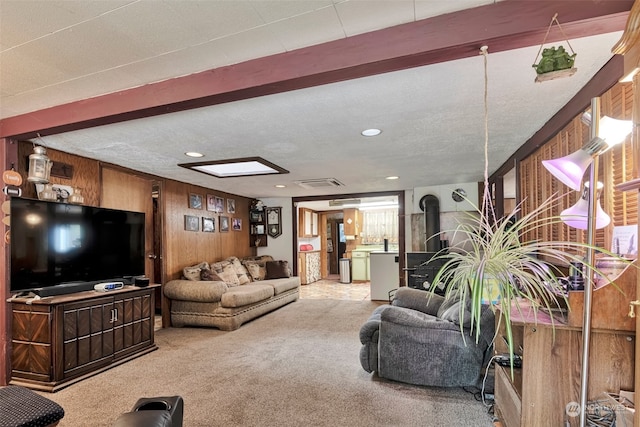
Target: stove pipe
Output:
{"points": [[430, 205]]}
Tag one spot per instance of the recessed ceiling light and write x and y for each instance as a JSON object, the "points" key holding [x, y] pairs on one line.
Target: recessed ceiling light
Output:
{"points": [[280, 186], [193, 154], [392, 177], [371, 132], [247, 166]]}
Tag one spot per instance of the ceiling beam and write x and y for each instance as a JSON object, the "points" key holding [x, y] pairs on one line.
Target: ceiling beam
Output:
{"points": [[502, 26]]}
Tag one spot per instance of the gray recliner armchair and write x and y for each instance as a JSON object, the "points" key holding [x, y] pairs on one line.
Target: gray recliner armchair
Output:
{"points": [[417, 340]]}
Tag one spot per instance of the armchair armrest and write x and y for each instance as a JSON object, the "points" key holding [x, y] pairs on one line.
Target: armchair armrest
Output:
{"points": [[415, 299], [189, 290]]}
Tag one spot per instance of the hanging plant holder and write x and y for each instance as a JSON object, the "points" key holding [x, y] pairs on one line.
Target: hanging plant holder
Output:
{"points": [[554, 63]]}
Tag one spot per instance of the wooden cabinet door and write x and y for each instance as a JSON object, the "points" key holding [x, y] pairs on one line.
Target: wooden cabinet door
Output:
{"points": [[134, 326], [86, 346], [31, 345]]}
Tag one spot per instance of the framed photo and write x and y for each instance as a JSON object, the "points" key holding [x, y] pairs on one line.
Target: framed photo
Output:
{"points": [[274, 219], [224, 224], [255, 216], [191, 223], [195, 201], [211, 203], [231, 206], [219, 201], [259, 229], [208, 225], [236, 224]]}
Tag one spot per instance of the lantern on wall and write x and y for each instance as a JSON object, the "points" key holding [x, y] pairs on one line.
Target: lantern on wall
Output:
{"points": [[39, 166]]}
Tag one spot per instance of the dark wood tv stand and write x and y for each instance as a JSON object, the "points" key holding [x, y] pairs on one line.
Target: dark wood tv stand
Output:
{"points": [[57, 341]]}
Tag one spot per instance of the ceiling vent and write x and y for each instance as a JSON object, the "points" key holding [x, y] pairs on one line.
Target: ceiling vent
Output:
{"points": [[344, 202], [319, 183]]}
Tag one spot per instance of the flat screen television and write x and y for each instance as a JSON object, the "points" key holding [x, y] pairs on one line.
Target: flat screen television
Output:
{"points": [[58, 248]]}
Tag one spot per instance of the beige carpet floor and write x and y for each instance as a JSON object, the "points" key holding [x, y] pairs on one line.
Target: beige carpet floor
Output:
{"points": [[297, 366]]}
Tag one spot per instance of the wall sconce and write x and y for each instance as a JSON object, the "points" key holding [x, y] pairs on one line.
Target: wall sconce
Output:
{"points": [[39, 166], [577, 215], [570, 169]]}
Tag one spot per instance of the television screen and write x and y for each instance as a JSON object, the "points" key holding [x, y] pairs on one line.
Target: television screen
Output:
{"points": [[56, 243]]}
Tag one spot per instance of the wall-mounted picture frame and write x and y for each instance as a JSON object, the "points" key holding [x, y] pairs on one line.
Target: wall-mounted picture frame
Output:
{"points": [[274, 221], [191, 223], [208, 225], [224, 224], [195, 201], [236, 224], [211, 203], [231, 206], [219, 204]]}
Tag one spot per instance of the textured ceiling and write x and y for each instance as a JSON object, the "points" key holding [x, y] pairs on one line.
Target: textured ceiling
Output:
{"points": [[55, 52]]}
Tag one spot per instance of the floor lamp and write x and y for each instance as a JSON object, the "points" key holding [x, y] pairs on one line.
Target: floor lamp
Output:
{"points": [[604, 134]]}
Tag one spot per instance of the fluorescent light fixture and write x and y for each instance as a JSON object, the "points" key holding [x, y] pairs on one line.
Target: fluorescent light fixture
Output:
{"points": [[577, 216], [193, 154], [280, 186], [392, 177], [230, 168], [371, 132]]}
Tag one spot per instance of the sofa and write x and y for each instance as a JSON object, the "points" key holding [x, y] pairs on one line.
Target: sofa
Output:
{"points": [[228, 293], [417, 339]]}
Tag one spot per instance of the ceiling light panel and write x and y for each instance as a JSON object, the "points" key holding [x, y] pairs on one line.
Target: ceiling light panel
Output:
{"points": [[230, 168]]}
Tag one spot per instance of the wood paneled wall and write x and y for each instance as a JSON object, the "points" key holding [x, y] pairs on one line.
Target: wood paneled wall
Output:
{"points": [[181, 248], [616, 165], [86, 173]]}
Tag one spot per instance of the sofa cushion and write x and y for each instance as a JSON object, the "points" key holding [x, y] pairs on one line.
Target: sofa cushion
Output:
{"points": [[450, 311], [201, 291], [194, 272], [284, 284], [247, 294], [277, 269]]}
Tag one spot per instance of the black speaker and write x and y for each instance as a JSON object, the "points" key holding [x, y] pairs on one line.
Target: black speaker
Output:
{"points": [[141, 281]]}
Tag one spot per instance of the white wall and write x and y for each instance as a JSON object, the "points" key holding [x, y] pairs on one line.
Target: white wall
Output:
{"points": [[280, 247], [451, 212]]}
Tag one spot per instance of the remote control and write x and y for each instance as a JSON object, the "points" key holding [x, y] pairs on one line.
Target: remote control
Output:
{"points": [[108, 286]]}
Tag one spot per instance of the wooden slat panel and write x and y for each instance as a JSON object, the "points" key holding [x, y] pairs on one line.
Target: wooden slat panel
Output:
{"points": [[616, 166]]}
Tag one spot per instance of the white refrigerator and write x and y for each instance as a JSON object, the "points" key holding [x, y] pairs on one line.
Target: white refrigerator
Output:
{"points": [[385, 274]]}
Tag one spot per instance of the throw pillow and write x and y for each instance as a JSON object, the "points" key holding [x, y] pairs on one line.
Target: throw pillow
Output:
{"points": [[277, 270], [242, 272], [229, 276], [210, 275], [193, 272], [256, 269]]}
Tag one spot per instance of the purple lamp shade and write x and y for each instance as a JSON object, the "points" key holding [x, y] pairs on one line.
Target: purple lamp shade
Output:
{"points": [[570, 169], [577, 216]]}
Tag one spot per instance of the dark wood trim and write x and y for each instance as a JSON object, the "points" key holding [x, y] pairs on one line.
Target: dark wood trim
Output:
{"points": [[502, 26], [604, 80], [9, 158]]}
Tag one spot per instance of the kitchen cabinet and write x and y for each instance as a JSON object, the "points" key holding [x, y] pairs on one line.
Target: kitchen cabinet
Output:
{"points": [[359, 265], [309, 266], [351, 221], [307, 223]]}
